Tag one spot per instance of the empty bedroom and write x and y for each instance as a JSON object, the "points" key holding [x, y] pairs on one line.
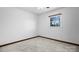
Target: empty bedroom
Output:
{"points": [[39, 29]]}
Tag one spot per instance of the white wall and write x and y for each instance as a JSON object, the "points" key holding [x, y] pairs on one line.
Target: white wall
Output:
{"points": [[16, 24], [69, 29]]}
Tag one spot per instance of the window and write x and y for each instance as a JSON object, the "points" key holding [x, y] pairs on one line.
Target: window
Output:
{"points": [[55, 21]]}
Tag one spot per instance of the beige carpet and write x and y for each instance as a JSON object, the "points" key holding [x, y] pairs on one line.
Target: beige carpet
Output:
{"points": [[40, 45]]}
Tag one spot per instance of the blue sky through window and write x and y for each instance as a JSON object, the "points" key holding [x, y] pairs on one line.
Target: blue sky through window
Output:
{"points": [[55, 21]]}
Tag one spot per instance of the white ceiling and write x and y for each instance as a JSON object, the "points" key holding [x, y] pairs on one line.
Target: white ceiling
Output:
{"points": [[36, 10]]}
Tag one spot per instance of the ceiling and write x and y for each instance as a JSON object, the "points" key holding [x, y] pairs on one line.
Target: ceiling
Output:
{"points": [[37, 10]]}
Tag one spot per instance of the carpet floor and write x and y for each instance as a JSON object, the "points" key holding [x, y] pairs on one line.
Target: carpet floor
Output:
{"points": [[40, 45]]}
